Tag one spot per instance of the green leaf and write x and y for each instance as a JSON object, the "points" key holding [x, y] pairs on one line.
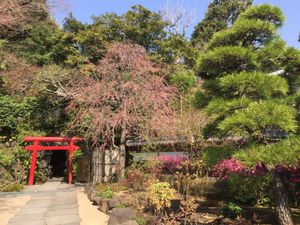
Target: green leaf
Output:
{"points": [[254, 85], [225, 60], [259, 116], [284, 152]]}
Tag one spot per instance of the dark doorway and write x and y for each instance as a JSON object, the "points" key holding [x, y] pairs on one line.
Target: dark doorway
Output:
{"points": [[58, 163]]}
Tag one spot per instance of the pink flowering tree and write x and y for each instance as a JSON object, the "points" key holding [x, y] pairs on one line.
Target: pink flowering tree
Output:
{"points": [[127, 97]]}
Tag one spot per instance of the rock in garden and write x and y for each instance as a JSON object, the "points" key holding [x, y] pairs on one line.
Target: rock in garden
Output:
{"points": [[113, 203], [121, 215], [103, 205], [96, 200], [206, 219]]}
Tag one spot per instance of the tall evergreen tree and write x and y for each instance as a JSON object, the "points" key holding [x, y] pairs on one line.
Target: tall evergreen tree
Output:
{"points": [[220, 15], [247, 101]]}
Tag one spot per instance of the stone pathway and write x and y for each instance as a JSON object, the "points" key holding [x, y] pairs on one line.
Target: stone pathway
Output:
{"points": [[53, 203]]}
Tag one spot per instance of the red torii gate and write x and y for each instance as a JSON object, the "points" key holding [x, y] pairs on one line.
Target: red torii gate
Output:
{"points": [[71, 147]]}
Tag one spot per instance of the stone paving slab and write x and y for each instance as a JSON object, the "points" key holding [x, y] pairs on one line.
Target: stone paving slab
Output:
{"points": [[64, 219], [37, 222], [30, 211], [53, 203], [73, 211], [25, 219]]}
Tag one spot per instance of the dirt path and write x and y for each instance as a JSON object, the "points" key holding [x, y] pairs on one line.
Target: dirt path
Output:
{"points": [[89, 213], [9, 207]]}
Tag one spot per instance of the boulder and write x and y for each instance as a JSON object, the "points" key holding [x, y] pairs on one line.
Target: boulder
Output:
{"points": [[113, 203], [121, 215], [206, 219], [96, 200], [103, 205]]}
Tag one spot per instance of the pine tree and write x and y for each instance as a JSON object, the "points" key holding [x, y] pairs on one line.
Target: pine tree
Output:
{"points": [[248, 102], [220, 15]]}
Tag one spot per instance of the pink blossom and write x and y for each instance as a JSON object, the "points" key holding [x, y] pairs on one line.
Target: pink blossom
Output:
{"points": [[228, 166]]}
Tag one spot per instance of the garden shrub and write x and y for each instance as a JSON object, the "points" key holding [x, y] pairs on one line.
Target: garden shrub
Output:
{"points": [[115, 187], [212, 155], [248, 185], [184, 80], [154, 167], [76, 155], [107, 194], [13, 187], [135, 178], [227, 167], [250, 189], [160, 195], [203, 186], [15, 163], [231, 210], [171, 163]]}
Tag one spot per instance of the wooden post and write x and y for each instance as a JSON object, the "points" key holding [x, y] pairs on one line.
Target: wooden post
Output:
{"points": [[71, 149], [33, 162]]}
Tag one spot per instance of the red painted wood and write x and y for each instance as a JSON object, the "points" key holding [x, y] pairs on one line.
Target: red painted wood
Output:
{"points": [[53, 139], [33, 162], [50, 148], [71, 147]]}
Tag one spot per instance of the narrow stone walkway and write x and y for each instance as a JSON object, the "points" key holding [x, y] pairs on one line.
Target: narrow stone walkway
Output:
{"points": [[53, 203]]}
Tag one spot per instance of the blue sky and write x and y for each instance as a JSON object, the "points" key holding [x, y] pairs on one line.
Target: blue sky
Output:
{"points": [[84, 9]]}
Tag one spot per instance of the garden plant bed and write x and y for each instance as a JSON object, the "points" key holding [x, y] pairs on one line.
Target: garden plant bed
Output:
{"points": [[135, 204]]}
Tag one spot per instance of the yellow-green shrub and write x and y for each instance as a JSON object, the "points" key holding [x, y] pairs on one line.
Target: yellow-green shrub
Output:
{"points": [[160, 195]]}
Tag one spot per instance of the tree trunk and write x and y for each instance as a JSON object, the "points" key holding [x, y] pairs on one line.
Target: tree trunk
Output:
{"points": [[283, 211], [122, 155]]}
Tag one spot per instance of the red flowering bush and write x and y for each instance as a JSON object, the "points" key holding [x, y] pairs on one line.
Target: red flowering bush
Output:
{"points": [[135, 178], [292, 174], [227, 167], [232, 166], [234, 171], [171, 163], [154, 167]]}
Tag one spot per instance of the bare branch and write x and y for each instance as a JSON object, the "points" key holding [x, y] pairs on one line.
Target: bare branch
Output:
{"points": [[179, 17], [58, 6]]}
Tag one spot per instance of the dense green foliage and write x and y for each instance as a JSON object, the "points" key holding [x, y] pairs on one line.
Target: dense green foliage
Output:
{"points": [[258, 117], [184, 80], [249, 105], [225, 60], [253, 85], [219, 16], [212, 155], [284, 152]]}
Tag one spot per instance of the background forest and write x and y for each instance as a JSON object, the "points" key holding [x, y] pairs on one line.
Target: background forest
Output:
{"points": [[233, 88]]}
